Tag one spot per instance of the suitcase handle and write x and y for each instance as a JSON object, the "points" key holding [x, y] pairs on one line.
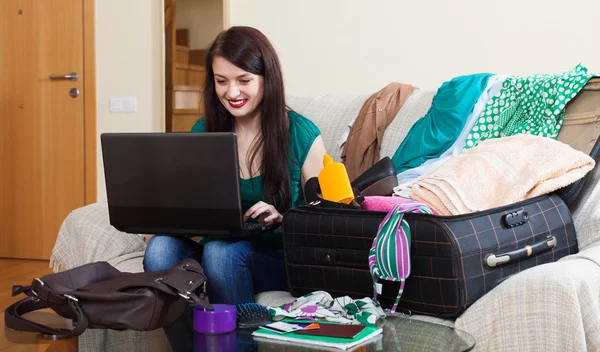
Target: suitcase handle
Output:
{"points": [[492, 260]]}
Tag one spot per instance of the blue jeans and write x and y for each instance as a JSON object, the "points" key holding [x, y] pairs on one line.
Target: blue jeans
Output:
{"points": [[235, 271]]}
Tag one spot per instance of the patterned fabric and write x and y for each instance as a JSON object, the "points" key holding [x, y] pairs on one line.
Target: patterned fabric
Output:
{"points": [[320, 305], [533, 105], [389, 257]]}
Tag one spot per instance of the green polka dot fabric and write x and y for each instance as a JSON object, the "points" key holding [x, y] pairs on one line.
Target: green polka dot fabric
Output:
{"points": [[534, 104]]}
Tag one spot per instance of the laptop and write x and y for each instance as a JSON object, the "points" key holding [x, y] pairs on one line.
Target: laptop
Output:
{"points": [[174, 183]]}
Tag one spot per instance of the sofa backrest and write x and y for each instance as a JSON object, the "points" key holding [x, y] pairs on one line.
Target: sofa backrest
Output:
{"points": [[333, 113]]}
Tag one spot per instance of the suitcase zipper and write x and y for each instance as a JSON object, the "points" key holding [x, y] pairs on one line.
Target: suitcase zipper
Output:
{"points": [[309, 207]]}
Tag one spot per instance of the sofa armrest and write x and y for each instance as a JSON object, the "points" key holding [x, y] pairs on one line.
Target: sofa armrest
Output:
{"points": [[86, 236], [551, 307], [586, 212]]}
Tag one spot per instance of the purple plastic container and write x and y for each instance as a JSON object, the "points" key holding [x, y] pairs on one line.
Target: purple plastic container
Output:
{"points": [[218, 321], [215, 342]]}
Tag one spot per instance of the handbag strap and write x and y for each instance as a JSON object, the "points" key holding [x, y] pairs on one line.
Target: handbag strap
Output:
{"points": [[13, 317]]}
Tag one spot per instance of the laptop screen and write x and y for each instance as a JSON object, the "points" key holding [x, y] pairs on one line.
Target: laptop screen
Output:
{"points": [[173, 183]]}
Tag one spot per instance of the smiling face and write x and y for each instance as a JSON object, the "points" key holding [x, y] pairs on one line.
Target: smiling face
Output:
{"points": [[241, 92]]}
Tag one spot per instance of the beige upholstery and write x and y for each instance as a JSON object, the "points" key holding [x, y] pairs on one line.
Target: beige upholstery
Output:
{"points": [[552, 307]]}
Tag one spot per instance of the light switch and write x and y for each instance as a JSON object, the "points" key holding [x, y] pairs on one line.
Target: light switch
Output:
{"points": [[129, 104], [116, 105], [126, 104]]}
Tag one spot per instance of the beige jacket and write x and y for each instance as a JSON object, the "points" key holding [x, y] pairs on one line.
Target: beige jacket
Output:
{"points": [[361, 150]]}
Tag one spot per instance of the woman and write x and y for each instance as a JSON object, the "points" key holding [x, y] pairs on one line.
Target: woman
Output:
{"points": [[278, 150]]}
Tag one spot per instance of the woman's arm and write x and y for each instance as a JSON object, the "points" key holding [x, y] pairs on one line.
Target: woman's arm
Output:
{"points": [[312, 166], [314, 160]]}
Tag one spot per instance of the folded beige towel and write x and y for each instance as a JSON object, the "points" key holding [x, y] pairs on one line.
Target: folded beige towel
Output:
{"points": [[501, 171]]}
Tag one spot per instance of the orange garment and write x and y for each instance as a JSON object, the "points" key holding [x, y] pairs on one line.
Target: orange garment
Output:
{"points": [[361, 150]]}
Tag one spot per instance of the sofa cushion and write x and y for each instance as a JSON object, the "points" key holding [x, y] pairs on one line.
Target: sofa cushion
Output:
{"points": [[331, 113]]}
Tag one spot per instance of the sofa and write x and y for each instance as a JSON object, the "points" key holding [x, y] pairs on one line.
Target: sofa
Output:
{"points": [[551, 307]]}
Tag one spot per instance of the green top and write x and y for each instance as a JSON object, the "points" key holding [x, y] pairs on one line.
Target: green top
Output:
{"points": [[303, 133]]}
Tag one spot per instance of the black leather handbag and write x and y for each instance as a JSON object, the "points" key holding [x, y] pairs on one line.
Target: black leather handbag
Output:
{"points": [[97, 295]]}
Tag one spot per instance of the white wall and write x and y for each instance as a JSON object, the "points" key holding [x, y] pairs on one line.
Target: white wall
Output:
{"points": [[360, 46], [204, 19], [349, 46], [129, 62]]}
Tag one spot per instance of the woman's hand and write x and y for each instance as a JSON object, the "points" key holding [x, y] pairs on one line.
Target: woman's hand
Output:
{"points": [[266, 213]]}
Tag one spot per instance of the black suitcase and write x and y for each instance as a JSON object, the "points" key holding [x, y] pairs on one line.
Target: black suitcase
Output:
{"points": [[455, 259]]}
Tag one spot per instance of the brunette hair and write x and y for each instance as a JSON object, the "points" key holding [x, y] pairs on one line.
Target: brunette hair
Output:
{"points": [[250, 50]]}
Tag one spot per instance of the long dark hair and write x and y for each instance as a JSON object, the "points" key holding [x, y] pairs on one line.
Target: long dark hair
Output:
{"points": [[250, 50]]}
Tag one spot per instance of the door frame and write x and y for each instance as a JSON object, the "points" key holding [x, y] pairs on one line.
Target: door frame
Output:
{"points": [[89, 103]]}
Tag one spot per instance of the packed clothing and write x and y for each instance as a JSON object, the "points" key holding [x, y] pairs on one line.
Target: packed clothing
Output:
{"points": [[464, 113]]}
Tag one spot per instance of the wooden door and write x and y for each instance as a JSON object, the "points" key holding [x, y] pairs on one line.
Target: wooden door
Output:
{"points": [[184, 78], [170, 56], [41, 125]]}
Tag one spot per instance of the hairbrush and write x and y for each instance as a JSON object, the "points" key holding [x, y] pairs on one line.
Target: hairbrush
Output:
{"points": [[252, 315]]}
